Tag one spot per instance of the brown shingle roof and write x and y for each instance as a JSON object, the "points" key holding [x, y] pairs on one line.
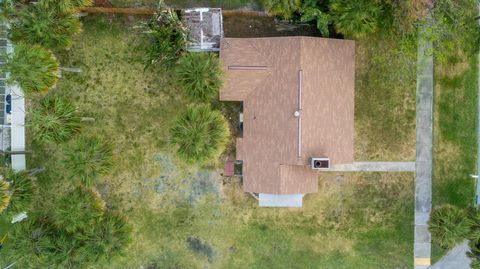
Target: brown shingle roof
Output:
{"points": [[266, 73]]}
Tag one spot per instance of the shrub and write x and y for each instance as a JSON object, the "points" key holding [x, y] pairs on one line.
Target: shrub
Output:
{"points": [[283, 8], [22, 190], [199, 75], [166, 38], [53, 120], [38, 25], [78, 210], [321, 18], [356, 18], [448, 225], [200, 134], [64, 6], [87, 158], [33, 67]]}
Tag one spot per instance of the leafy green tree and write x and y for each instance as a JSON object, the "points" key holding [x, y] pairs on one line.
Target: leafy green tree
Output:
{"points": [[54, 119], [86, 158], [452, 27], [33, 67], [78, 210], [356, 18], [200, 134], [322, 19], [36, 24], [64, 6], [200, 75], [166, 38], [448, 225], [283, 8]]}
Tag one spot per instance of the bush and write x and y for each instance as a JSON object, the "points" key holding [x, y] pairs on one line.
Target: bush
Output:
{"points": [[448, 225], [33, 67], [53, 120], [166, 38], [356, 18], [64, 6], [78, 210], [39, 25], [87, 158], [199, 75], [200, 134]]}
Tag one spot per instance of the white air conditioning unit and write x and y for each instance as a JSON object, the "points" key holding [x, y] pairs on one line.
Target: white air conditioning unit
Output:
{"points": [[319, 163]]}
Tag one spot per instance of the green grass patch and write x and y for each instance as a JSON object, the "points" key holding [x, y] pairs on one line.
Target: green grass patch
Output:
{"points": [[455, 144]]}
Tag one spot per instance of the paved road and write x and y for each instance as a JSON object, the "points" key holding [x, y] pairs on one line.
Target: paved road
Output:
{"points": [[375, 167], [423, 167], [456, 258]]}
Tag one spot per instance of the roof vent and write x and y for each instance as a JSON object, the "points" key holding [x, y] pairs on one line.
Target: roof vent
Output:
{"points": [[319, 163]]}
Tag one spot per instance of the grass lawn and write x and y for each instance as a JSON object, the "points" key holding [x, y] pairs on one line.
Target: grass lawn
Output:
{"points": [[455, 145], [191, 217]]}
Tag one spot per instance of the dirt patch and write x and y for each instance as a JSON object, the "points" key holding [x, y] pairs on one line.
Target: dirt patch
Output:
{"points": [[201, 248]]}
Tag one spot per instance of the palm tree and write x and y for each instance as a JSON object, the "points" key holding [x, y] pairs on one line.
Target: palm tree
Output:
{"points": [[36, 24], [200, 134], [53, 120], [22, 190], [78, 211], [356, 18], [166, 38], [110, 237], [33, 67], [64, 6], [5, 195], [87, 158], [200, 75], [448, 225]]}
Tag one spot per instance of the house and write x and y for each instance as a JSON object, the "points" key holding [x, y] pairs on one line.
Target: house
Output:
{"points": [[205, 27], [298, 109]]}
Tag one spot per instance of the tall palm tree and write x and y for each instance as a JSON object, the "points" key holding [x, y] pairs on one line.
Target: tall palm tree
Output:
{"points": [[54, 119], [200, 75], [200, 134], [37, 24], [33, 67]]}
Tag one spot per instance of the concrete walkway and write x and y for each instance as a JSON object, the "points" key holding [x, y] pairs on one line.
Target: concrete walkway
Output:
{"points": [[455, 258], [423, 167], [375, 167]]}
